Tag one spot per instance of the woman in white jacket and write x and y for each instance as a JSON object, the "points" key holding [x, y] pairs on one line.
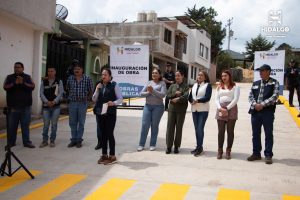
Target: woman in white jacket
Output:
{"points": [[227, 96], [199, 98]]}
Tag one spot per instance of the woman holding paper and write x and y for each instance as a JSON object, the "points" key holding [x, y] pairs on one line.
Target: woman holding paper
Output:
{"points": [[227, 96], [107, 96], [154, 91]]}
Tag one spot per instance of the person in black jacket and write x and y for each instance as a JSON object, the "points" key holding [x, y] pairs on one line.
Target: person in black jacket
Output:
{"points": [[107, 96], [169, 78], [263, 96], [19, 88], [51, 92], [292, 74]]}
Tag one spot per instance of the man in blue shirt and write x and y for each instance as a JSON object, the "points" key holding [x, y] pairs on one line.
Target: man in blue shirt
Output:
{"points": [[80, 88]]}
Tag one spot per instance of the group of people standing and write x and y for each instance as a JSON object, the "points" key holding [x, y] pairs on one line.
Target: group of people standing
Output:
{"points": [[177, 95], [107, 95]]}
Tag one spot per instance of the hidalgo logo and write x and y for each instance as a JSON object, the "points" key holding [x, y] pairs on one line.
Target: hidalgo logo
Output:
{"points": [[275, 26]]}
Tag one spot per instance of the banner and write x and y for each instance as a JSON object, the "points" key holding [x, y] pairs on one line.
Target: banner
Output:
{"points": [[130, 68], [276, 60]]}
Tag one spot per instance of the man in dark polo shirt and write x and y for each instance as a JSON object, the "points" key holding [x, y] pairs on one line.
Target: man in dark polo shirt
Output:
{"points": [[169, 78], [263, 96], [18, 87]]}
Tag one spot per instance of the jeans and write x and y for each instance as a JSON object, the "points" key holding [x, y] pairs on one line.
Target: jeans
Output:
{"points": [[199, 119], [77, 114], [50, 115], [265, 119], [99, 135], [151, 117], [16, 115], [106, 125]]}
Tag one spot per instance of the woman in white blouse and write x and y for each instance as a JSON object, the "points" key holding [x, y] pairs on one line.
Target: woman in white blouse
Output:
{"points": [[227, 96], [199, 98]]}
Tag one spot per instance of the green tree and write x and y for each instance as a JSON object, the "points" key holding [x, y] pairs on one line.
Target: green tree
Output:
{"points": [[205, 18], [259, 43], [224, 61], [288, 53]]}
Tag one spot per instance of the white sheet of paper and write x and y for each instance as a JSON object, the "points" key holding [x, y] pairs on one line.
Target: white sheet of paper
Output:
{"points": [[104, 108]]}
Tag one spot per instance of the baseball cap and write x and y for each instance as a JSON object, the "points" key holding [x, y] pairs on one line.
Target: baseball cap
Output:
{"points": [[264, 67], [292, 61]]}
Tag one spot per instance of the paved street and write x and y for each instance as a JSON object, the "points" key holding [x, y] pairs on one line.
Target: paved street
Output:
{"points": [[72, 173]]}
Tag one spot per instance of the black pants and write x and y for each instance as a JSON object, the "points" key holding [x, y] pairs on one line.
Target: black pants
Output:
{"points": [[230, 133], [99, 135], [106, 125], [291, 93], [167, 100]]}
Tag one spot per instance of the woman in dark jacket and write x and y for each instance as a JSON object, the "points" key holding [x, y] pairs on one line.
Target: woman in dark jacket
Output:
{"points": [[107, 96], [178, 94]]}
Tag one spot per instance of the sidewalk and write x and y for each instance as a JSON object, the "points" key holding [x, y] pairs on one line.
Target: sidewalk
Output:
{"points": [[142, 175]]}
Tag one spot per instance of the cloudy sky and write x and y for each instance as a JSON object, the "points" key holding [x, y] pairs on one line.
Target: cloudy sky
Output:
{"points": [[249, 16]]}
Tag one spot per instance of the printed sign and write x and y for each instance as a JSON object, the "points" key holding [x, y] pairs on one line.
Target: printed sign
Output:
{"points": [[130, 68]]}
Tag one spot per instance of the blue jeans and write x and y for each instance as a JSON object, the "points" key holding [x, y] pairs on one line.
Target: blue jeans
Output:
{"points": [[16, 115], [151, 117], [77, 114], [50, 115], [265, 119], [199, 119]]}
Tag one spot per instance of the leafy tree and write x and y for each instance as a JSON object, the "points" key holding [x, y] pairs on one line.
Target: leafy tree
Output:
{"points": [[259, 43], [224, 61], [288, 53], [206, 19]]}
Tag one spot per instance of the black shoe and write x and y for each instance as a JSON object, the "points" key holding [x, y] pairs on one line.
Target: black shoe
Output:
{"points": [[29, 145], [292, 105], [168, 151], [72, 144], [254, 157], [176, 150], [194, 151], [198, 152], [298, 115], [79, 144], [268, 160], [98, 147]]}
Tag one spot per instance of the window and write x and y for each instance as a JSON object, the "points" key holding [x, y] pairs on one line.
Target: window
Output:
{"points": [[184, 44], [192, 71], [168, 36], [206, 52], [201, 50], [195, 73]]}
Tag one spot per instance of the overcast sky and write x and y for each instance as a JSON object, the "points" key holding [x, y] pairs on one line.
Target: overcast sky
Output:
{"points": [[249, 16]]}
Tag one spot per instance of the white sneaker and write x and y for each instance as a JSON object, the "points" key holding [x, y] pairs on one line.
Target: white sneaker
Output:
{"points": [[152, 148], [140, 148]]}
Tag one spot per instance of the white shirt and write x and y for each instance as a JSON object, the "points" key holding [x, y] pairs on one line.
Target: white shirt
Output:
{"points": [[226, 96]]}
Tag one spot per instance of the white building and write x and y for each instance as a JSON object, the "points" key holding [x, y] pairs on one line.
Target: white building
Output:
{"points": [[23, 23]]}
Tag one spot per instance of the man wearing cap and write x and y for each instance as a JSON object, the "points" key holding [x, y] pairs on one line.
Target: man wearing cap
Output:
{"points": [[263, 96], [292, 74], [80, 88], [169, 78]]}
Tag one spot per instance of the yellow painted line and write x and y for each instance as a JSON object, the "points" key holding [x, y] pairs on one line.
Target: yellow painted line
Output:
{"points": [[170, 191], [228, 194], [293, 111], [19, 177], [54, 187], [111, 190], [288, 197]]}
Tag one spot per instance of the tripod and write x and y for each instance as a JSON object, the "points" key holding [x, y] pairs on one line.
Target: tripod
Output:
{"points": [[9, 154]]}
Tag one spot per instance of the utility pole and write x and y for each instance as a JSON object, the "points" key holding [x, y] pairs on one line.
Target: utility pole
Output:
{"points": [[230, 32]]}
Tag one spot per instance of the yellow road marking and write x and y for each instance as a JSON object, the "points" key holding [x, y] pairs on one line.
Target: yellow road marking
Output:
{"points": [[19, 177], [171, 191], [228, 194], [111, 190], [288, 197], [54, 187], [293, 111]]}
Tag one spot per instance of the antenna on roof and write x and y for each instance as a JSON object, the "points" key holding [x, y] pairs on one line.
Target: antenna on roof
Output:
{"points": [[61, 12]]}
